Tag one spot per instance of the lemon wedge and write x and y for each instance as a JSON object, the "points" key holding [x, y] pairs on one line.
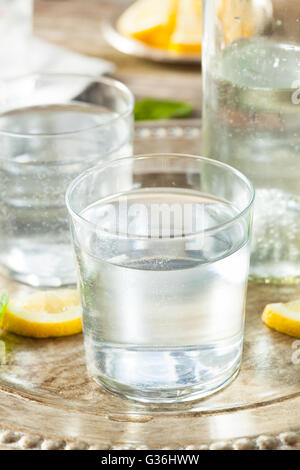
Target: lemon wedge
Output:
{"points": [[238, 19], [187, 35], [150, 21], [284, 318], [44, 314], [243, 18]]}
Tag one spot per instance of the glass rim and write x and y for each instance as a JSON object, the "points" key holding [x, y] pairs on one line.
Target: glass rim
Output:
{"points": [[111, 82], [99, 168]]}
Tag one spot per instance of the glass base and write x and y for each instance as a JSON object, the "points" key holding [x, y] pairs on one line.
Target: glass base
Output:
{"points": [[268, 279], [163, 374], [34, 280], [280, 272], [172, 395], [50, 266]]}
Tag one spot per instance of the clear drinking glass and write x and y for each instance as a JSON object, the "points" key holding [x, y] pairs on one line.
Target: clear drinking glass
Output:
{"points": [[162, 248], [251, 118], [52, 127], [15, 35]]}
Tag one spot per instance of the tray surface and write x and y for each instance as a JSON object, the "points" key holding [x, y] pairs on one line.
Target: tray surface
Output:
{"points": [[48, 401]]}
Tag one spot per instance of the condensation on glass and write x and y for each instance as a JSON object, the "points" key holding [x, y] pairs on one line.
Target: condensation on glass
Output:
{"points": [[251, 118]]}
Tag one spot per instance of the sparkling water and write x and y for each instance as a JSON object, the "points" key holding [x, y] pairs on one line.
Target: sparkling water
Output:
{"points": [[252, 121], [42, 149], [166, 324]]}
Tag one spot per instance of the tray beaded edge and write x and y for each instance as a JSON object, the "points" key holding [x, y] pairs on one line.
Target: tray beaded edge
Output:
{"points": [[16, 440]]}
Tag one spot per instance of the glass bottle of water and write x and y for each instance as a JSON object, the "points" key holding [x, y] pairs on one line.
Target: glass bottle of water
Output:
{"points": [[251, 118]]}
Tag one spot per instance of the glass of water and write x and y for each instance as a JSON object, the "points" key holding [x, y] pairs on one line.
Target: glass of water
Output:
{"points": [[52, 127], [251, 118], [162, 248]]}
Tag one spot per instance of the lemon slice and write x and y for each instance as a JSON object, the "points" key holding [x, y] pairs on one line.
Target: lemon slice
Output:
{"points": [[187, 35], [284, 318], [150, 21], [238, 18], [44, 314], [244, 18]]}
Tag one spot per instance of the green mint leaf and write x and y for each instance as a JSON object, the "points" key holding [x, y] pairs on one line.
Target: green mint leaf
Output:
{"points": [[151, 109], [3, 302]]}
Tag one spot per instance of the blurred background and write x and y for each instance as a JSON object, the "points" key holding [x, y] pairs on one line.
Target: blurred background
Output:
{"points": [[78, 26], [65, 28]]}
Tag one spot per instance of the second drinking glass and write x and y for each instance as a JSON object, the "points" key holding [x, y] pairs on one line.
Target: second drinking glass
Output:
{"points": [[52, 127]]}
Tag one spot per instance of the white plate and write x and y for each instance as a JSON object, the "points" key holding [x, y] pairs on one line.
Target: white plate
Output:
{"points": [[137, 48]]}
